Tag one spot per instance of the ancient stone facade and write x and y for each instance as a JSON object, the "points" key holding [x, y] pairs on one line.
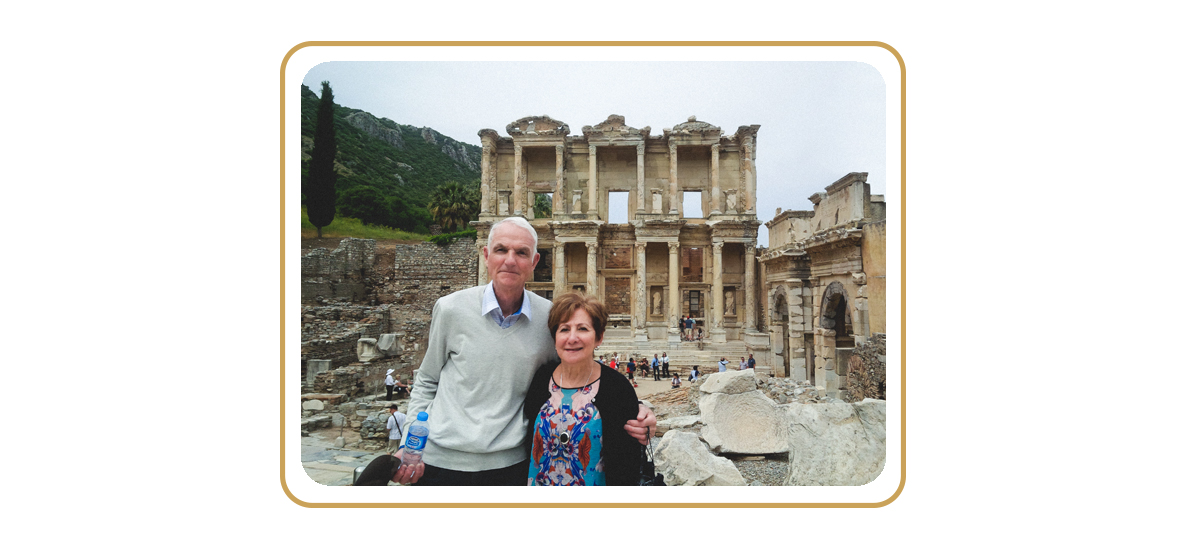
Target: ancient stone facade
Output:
{"points": [[825, 283], [661, 265]]}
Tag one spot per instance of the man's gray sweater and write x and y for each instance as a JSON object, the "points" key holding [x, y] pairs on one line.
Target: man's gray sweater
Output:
{"points": [[473, 381]]}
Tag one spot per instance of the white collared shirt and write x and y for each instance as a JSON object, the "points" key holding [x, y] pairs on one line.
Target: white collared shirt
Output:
{"points": [[491, 306]]}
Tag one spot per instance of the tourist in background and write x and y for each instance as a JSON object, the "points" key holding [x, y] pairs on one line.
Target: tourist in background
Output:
{"points": [[722, 364], [389, 383], [666, 364], [743, 365], [675, 383], [695, 375], [576, 409], [395, 423]]}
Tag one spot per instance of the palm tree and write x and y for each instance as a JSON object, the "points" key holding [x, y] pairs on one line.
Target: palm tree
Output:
{"points": [[453, 205]]}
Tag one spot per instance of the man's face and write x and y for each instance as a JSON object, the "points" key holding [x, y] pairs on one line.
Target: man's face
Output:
{"points": [[511, 257]]}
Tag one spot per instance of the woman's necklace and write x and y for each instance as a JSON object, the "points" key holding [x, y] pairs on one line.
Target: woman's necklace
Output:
{"points": [[564, 437]]}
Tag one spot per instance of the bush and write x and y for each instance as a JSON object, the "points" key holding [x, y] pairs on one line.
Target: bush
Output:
{"points": [[447, 238]]}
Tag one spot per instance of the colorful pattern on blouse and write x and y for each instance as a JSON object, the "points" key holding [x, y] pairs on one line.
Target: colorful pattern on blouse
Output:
{"points": [[567, 439]]}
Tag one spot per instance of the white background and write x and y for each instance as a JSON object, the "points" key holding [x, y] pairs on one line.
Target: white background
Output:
{"points": [[1048, 266]]}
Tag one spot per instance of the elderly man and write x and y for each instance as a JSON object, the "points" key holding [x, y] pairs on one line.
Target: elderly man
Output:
{"points": [[484, 345]]}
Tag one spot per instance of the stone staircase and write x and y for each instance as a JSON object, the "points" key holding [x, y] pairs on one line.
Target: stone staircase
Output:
{"points": [[683, 354]]}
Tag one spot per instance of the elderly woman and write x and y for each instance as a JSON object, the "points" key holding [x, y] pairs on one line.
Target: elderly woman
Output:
{"points": [[577, 409]]}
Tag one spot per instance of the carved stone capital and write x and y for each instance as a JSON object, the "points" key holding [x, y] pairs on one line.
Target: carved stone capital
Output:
{"points": [[717, 246], [592, 150], [592, 248], [674, 247], [640, 248]]}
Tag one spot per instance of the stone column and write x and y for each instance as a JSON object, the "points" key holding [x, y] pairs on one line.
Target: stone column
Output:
{"points": [[750, 173], [639, 296], [718, 287], [487, 181], [518, 196], [674, 180], [673, 293], [559, 188], [591, 267], [483, 274], [641, 175], [560, 268], [750, 293], [715, 196], [592, 210]]}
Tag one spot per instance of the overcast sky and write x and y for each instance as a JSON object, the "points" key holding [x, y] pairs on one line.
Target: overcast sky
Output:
{"points": [[820, 119]]}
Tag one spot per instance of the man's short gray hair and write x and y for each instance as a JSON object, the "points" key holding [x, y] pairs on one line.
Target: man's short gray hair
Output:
{"points": [[517, 221]]}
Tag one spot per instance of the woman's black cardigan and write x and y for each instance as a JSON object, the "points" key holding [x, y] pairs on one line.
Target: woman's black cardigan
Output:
{"points": [[617, 402]]}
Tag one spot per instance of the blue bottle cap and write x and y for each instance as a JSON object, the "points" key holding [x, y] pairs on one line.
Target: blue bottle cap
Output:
{"points": [[422, 416]]}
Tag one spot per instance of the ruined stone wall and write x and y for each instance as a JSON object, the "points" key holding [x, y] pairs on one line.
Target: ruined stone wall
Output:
{"points": [[867, 370], [423, 273], [337, 275], [332, 331], [395, 292]]}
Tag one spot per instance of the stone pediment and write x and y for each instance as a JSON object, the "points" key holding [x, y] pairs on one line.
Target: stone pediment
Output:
{"points": [[694, 128], [537, 126], [614, 127]]}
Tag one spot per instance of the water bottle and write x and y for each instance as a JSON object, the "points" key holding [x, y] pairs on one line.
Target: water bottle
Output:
{"points": [[414, 444]]}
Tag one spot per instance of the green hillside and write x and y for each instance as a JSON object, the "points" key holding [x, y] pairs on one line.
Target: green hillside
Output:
{"points": [[387, 171]]}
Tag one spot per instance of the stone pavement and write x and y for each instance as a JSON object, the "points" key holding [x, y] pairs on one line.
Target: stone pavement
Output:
{"points": [[329, 465]]}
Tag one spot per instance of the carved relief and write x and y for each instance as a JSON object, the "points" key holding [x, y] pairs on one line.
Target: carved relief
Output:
{"points": [[577, 202], [656, 203], [657, 310], [730, 307], [731, 202]]}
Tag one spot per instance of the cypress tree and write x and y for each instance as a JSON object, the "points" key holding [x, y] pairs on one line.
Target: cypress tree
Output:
{"points": [[320, 169]]}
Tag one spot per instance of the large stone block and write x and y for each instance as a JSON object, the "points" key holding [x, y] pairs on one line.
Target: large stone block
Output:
{"points": [[836, 443], [683, 459], [749, 423], [729, 382], [677, 423]]}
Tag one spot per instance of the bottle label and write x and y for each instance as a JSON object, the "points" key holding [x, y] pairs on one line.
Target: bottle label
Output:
{"points": [[415, 442]]}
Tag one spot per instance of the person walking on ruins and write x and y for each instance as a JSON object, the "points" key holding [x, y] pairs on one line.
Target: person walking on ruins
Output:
{"points": [[485, 344], [394, 424], [654, 364], [389, 383], [666, 364], [691, 323], [683, 328]]}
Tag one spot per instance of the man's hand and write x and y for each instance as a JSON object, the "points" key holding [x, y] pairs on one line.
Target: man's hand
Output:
{"points": [[408, 473], [642, 428]]}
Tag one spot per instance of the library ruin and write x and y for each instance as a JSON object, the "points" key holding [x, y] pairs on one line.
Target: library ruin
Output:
{"points": [[662, 266]]}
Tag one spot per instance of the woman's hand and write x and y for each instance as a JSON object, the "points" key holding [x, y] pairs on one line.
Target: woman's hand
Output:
{"points": [[643, 426]]}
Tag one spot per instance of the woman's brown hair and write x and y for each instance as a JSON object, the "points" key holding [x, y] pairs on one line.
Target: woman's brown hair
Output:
{"points": [[564, 307]]}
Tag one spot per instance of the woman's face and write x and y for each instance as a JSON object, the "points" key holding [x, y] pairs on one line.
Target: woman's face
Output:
{"points": [[575, 340]]}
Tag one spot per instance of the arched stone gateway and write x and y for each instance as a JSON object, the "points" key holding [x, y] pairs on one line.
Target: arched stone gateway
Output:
{"points": [[835, 314]]}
